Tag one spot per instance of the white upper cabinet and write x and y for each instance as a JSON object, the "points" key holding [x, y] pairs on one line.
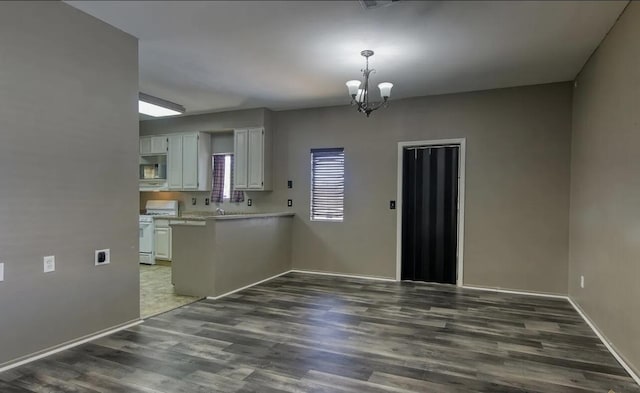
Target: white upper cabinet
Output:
{"points": [[255, 162], [153, 145], [240, 159], [252, 170], [159, 144], [189, 162], [145, 145], [174, 163]]}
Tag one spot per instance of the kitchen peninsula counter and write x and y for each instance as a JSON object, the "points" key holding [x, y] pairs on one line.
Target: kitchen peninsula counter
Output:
{"points": [[217, 254]]}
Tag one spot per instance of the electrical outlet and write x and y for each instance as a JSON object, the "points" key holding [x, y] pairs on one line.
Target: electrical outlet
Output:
{"points": [[206, 201], [1, 272], [581, 281], [289, 202], [49, 264], [103, 257], [249, 202]]}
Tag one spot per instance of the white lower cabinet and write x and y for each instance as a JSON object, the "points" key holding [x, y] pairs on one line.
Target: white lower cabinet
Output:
{"points": [[162, 235]]}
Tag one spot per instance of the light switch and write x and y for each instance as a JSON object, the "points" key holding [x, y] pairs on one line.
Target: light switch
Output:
{"points": [[49, 264], [1, 272]]}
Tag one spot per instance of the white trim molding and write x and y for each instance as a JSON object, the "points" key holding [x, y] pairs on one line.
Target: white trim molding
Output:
{"points": [[68, 345], [604, 340], [516, 292], [248, 286], [343, 275], [593, 327], [582, 314], [300, 271], [461, 142]]}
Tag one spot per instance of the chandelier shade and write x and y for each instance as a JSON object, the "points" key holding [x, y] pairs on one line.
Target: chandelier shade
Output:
{"points": [[385, 89], [353, 86]]}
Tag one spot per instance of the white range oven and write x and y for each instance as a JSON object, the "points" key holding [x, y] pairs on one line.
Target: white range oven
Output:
{"points": [[153, 208]]}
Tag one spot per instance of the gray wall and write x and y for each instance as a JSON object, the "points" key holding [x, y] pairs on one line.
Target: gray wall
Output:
{"points": [[605, 187], [220, 121], [68, 154], [517, 190], [517, 186]]}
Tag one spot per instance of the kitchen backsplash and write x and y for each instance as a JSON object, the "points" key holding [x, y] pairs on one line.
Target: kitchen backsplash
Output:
{"points": [[259, 201]]}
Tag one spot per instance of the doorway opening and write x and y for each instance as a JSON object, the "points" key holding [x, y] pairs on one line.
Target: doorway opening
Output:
{"points": [[430, 212], [157, 294]]}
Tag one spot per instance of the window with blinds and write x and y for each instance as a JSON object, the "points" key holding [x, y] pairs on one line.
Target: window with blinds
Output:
{"points": [[327, 184]]}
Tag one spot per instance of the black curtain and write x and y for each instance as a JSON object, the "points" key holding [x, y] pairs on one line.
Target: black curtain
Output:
{"points": [[430, 214]]}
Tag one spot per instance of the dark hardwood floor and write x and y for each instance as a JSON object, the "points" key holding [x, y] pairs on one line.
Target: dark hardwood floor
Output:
{"points": [[310, 333]]}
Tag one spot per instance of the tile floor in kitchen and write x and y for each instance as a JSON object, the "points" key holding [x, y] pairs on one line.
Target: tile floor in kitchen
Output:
{"points": [[157, 294]]}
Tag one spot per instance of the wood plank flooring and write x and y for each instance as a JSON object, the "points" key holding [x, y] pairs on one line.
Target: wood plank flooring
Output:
{"points": [[310, 333]]}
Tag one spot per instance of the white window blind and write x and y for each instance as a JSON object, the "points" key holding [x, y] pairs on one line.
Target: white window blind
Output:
{"points": [[327, 184]]}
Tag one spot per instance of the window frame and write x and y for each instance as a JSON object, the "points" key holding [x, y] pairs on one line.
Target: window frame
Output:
{"points": [[339, 150], [227, 154]]}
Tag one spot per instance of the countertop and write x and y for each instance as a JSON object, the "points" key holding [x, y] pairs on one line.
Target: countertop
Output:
{"points": [[204, 216]]}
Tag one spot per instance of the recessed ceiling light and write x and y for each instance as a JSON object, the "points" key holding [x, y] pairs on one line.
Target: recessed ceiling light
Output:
{"points": [[157, 107]]}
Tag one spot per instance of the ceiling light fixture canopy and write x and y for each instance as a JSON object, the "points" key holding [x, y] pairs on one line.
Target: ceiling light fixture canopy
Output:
{"points": [[360, 96], [157, 107]]}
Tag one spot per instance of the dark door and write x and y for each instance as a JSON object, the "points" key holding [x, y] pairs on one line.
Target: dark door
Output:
{"points": [[430, 214]]}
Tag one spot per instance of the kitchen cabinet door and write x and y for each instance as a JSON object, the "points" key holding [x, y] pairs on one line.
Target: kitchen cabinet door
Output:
{"points": [[145, 145], [158, 145], [190, 162], [240, 159], [255, 155], [174, 163], [163, 243]]}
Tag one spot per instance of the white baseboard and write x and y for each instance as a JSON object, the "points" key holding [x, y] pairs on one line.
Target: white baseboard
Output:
{"points": [[247, 286], [103, 333], [582, 314], [606, 342], [299, 271], [344, 275], [67, 345], [515, 292]]}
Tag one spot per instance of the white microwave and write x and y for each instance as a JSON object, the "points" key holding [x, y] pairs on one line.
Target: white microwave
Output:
{"points": [[153, 172], [153, 168]]}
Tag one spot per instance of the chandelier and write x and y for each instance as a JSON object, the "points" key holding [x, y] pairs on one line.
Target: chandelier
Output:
{"points": [[360, 96]]}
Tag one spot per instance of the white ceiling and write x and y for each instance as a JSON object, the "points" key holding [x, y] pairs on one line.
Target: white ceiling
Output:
{"points": [[218, 55]]}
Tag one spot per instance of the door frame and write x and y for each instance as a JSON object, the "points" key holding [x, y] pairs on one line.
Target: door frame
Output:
{"points": [[461, 142]]}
